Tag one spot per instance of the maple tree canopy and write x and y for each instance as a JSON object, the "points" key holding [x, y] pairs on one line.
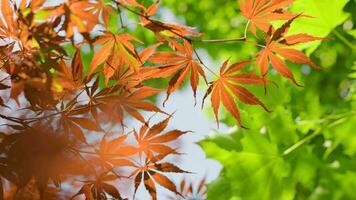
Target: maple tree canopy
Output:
{"points": [[65, 119]]}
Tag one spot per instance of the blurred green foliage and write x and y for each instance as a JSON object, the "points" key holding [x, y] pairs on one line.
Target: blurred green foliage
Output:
{"points": [[305, 148]]}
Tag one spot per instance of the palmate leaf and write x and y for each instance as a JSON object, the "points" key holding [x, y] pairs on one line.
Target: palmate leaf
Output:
{"points": [[151, 140], [152, 173], [160, 28], [129, 102], [327, 15], [116, 152], [227, 86], [190, 190], [8, 16], [180, 64], [82, 15], [278, 43], [98, 189], [116, 101], [256, 171], [116, 53], [262, 12], [72, 123], [67, 79]]}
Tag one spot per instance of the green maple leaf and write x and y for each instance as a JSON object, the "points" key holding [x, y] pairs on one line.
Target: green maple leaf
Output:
{"points": [[328, 14]]}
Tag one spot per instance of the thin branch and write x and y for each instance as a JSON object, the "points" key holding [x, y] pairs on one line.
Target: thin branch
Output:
{"points": [[13, 119], [301, 142], [201, 62], [318, 131], [344, 40], [246, 28], [120, 17], [223, 40]]}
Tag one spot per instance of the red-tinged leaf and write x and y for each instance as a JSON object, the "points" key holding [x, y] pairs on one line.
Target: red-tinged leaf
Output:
{"points": [[129, 101], [281, 68], [168, 167], [168, 29], [151, 140], [246, 96], [180, 64], [101, 56], [248, 79], [157, 128], [138, 180], [86, 190], [236, 67], [86, 123], [295, 56], [225, 88], [150, 186], [281, 31], [149, 173], [166, 58], [164, 182], [300, 38], [201, 187], [159, 148], [145, 105], [144, 92], [170, 136], [134, 113], [16, 90], [4, 87], [109, 177], [229, 104], [8, 13], [196, 70], [148, 52], [122, 162], [78, 133], [117, 141], [118, 53], [276, 44], [262, 62], [152, 9], [132, 3], [261, 13], [124, 151], [2, 102], [111, 190], [176, 82], [77, 66]]}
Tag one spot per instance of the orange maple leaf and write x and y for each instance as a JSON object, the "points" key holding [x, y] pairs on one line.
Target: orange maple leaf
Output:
{"points": [[227, 86], [151, 173], [262, 12], [151, 140], [279, 44], [115, 153], [116, 53], [180, 64], [118, 99]]}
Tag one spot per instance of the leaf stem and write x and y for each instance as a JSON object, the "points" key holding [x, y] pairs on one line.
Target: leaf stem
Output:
{"points": [[344, 40], [246, 28], [120, 16], [223, 40], [335, 121], [301, 142], [201, 62]]}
